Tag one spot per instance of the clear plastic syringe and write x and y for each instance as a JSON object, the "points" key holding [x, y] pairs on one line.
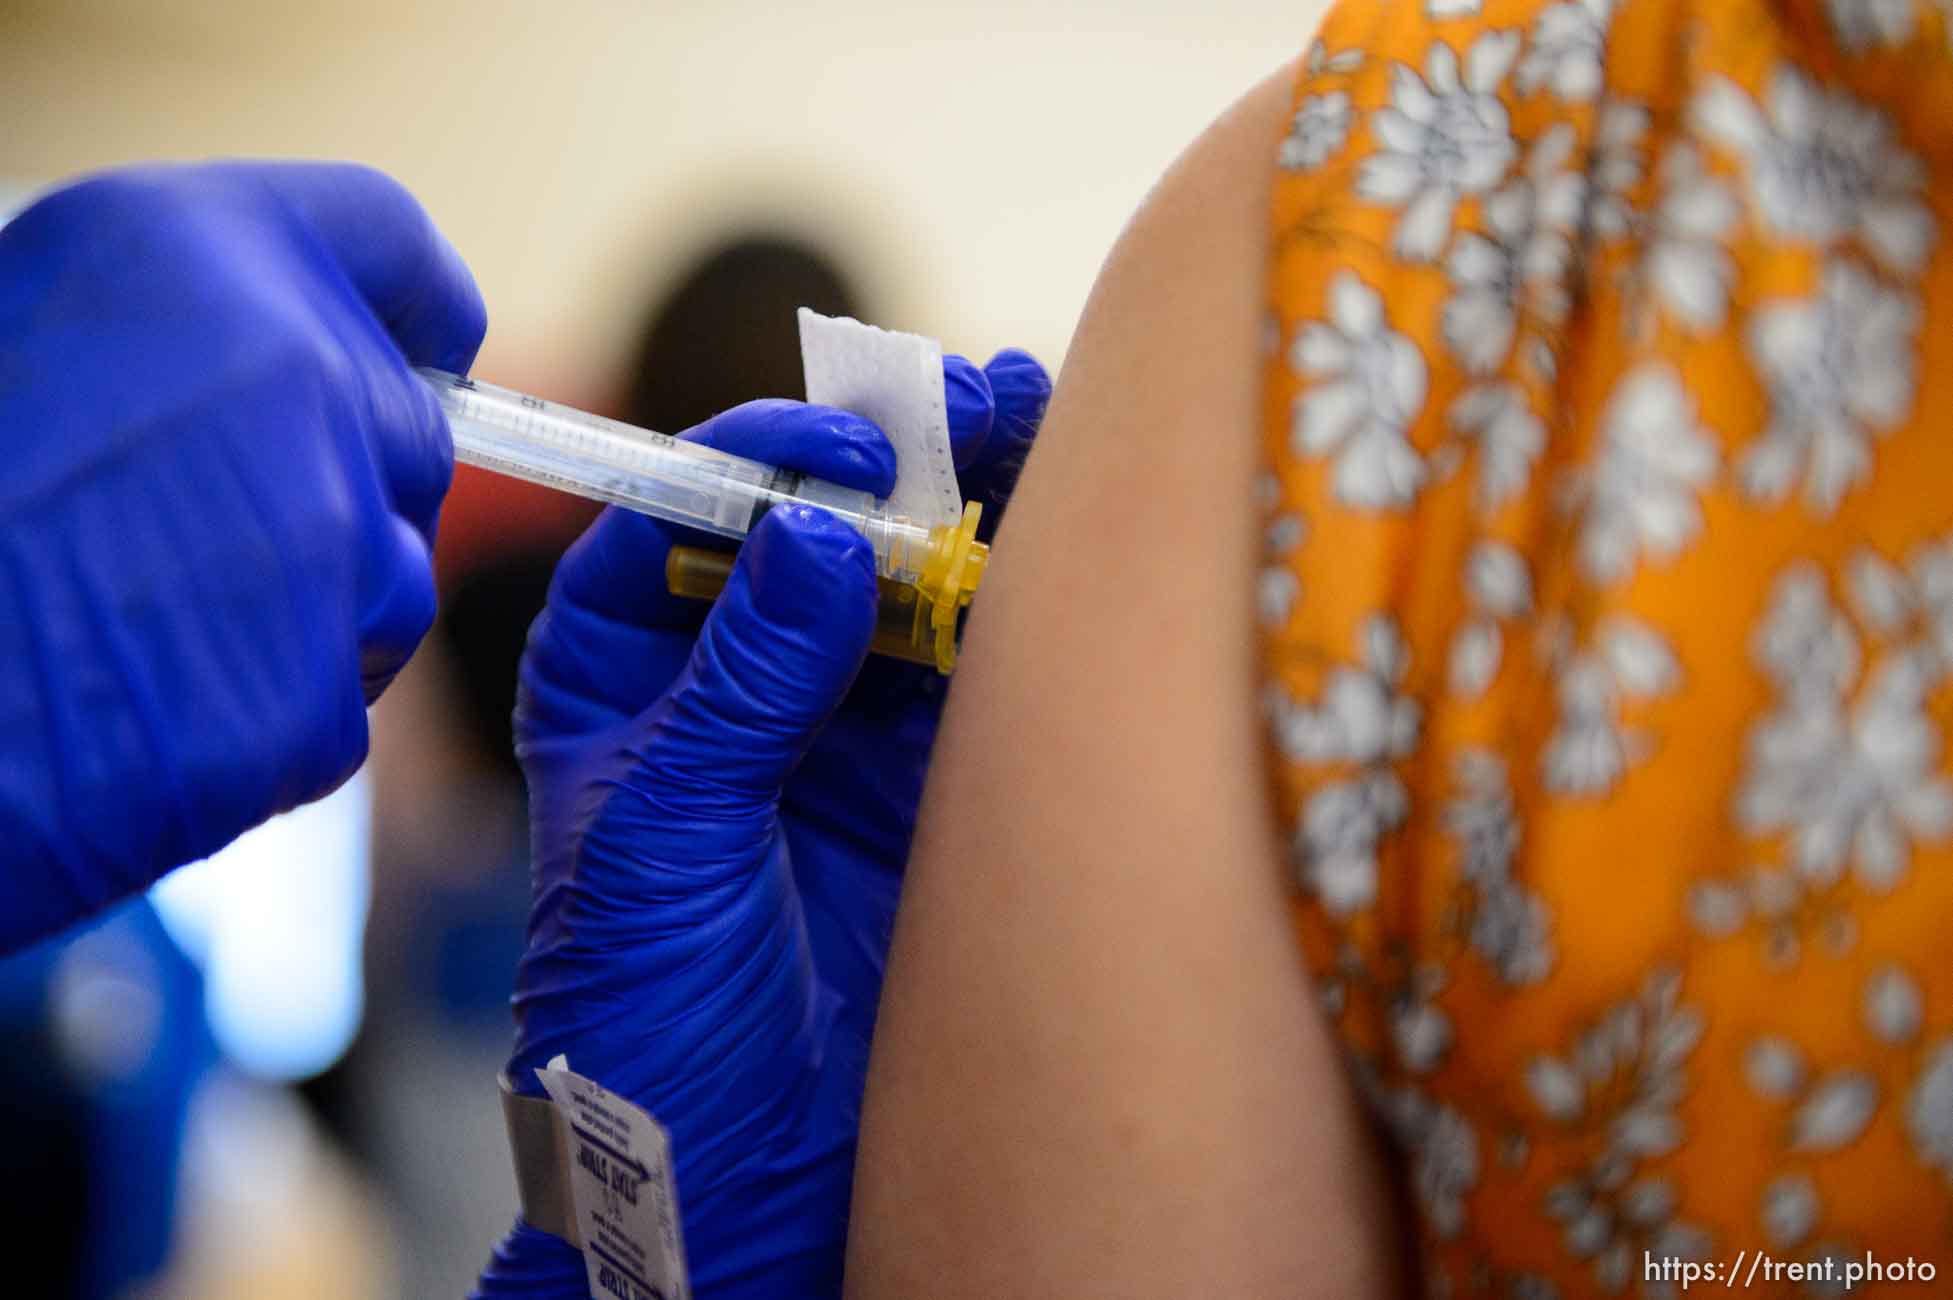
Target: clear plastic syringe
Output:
{"points": [[686, 483]]}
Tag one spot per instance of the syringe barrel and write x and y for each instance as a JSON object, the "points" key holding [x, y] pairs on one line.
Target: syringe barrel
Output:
{"points": [[680, 482]]}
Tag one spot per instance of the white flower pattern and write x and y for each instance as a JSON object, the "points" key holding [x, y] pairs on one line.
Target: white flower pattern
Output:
{"points": [[1822, 166], [1791, 914], [1929, 1110], [1853, 780], [1864, 24], [1522, 261], [1318, 131], [1445, 135], [1368, 386], [1498, 587], [1591, 748], [1910, 608], [1499, 419], [1443, 1150], [1686, 267], [1278, 587], [1639, 495], [1507, 925], [1363, 722], [1565, 55], [1623, 1079], [1616, 168], [1420, 1031], [1839, 371]]}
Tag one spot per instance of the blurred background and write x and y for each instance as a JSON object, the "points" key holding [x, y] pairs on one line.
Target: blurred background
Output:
{"points": [[275, 1077]]}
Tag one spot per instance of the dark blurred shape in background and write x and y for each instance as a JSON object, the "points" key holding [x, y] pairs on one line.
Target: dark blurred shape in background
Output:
{"points": [[484, 623], [726, 332]]}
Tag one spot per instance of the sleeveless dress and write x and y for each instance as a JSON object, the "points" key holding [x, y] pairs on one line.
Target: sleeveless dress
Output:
{"points": [[1607, 618]]}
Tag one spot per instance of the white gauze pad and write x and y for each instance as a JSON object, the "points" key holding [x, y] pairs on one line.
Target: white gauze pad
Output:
{"points": [[896, 380]]}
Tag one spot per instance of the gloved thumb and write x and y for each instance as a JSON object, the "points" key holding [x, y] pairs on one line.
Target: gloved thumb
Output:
{"points": [[772, 662]]}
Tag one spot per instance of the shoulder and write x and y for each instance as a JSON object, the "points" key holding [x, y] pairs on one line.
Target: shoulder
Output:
{"points": [[1147, 458]]}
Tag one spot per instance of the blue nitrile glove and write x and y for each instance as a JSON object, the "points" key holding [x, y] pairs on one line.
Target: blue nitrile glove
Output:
{"points": [[218, 488], [720, 825]]}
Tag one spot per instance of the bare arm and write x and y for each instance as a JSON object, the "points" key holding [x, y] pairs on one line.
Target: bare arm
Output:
{"points": [[1099, 1069]]}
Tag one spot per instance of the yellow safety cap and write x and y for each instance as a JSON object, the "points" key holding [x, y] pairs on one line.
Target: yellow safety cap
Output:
{"points": [[948, 582]]}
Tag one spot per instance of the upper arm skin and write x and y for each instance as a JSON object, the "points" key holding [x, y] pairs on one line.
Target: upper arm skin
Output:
{"points": [[1099, 1068]]}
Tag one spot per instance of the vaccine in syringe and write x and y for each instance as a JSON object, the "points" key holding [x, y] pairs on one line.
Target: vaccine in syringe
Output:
{"points": [[700, 487]]}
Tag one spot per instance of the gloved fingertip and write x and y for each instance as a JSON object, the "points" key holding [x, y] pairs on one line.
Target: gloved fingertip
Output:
{"points": [[1022, 388], [450, 321], [773, 661], [402, 608], [971, 407], [824, 441], [418, 458], [808, 570], [857, 453]]}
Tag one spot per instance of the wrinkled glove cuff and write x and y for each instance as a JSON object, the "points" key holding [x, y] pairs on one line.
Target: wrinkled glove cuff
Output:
{"points": [[531, 1264]]}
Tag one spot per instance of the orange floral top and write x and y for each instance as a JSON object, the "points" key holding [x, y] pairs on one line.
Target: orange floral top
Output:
{"points": [[1608, 619]]}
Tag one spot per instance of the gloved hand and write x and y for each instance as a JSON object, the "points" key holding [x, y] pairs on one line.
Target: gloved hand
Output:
{"points": [[218, 493], [720, 825]]}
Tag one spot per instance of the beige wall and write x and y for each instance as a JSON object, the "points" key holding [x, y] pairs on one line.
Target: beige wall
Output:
{"points": [[977, 160]]}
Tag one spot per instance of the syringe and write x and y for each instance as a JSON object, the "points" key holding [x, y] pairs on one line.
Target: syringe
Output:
{"points": [[686, 483]]}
